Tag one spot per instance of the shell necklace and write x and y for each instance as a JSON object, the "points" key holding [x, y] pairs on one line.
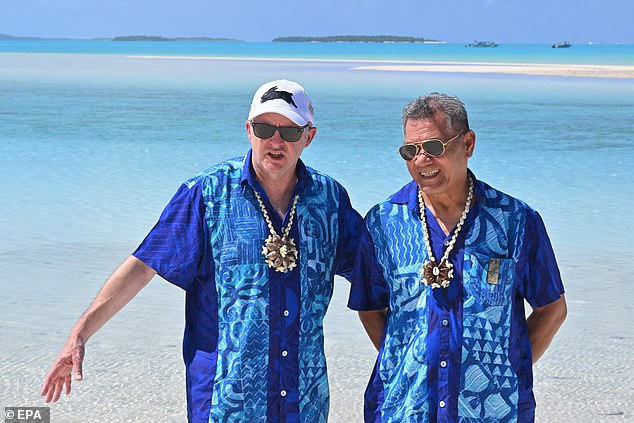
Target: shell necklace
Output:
{"points": [[280, 251], [439, 274]]}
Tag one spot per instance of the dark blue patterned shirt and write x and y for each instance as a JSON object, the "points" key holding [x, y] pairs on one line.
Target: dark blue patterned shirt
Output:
{"points": [[460, 354], [253, 343]]}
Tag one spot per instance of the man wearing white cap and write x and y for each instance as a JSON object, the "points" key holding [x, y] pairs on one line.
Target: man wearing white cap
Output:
{"points": [[255, 242]]}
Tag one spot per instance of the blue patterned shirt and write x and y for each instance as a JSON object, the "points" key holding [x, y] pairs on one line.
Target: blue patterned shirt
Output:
{"points": [[460, 354], [253, 343]]}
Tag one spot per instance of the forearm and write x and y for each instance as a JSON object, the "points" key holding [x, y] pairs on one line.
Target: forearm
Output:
{"points": [[118, 290], [373, 323], [543, 324]]}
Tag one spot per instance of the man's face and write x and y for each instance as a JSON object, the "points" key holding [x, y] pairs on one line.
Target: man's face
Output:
{"points": [[274, 157], [444, 174]]}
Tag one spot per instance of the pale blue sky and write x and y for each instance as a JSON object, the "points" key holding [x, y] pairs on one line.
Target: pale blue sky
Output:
{"points": [[507, 21]]}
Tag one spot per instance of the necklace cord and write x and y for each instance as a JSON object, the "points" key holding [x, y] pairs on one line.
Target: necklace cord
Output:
{"points": [[280, 252], [439, 274]]}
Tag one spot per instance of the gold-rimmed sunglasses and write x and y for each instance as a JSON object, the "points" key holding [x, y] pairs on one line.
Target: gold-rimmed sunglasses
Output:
{"points": [[433, 147]]}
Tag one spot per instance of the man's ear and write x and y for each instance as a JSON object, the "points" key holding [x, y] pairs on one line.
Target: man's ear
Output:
{"points": [[469, 141], [249, 128], [311, 134]]}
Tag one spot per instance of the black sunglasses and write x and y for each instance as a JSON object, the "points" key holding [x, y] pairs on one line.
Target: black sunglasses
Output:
{"points": [[433, 147], [288, 133]]}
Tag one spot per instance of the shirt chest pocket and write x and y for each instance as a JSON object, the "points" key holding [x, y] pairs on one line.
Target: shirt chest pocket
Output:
{"points": [[488, 280], [239, 241]]}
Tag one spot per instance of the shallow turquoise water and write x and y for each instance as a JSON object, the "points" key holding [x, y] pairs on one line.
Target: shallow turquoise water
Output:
{"points": [[94, 145]]}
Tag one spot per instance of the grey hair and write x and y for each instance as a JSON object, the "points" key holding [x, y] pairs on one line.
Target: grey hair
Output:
{"points": [[427, 106]]}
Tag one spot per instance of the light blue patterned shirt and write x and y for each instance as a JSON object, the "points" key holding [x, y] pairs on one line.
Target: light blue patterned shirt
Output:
{"points": [[460, 354]]}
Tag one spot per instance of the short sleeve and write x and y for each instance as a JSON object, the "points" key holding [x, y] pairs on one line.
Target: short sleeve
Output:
{"points": [[541, 282], [350, 223], [174, 246], [369, 289]]}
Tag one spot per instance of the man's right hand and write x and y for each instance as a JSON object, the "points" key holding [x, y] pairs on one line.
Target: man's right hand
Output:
{"points": [[374, 321], [123, 285], [69, 361]]}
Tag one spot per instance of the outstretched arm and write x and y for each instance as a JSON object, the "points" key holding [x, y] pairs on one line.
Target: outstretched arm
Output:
{"points": [[123, 285], [543, 324], [373, 322]]}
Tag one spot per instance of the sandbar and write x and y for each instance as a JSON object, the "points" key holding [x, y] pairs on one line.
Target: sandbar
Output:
{"points": [[546, 69], [594, 71]]}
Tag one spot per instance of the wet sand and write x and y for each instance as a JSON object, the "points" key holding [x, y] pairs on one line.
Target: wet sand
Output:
{"points": [[134, 372]]}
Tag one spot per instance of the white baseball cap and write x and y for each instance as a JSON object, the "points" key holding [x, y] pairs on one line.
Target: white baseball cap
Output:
{"points": [[286, 98]]}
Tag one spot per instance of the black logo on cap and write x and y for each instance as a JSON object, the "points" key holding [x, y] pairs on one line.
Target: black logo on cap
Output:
{"points": [[273, 94]]}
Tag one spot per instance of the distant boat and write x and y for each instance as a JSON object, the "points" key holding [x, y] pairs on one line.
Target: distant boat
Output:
{"points": [[482, 44], [563, 44]]}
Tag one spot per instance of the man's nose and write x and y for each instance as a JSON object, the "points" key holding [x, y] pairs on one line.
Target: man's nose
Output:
{"points": [[276, 137], [422, 158]]}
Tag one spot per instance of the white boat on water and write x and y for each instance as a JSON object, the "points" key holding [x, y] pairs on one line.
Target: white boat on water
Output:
{"points": [[482, 44], [563, 44]]}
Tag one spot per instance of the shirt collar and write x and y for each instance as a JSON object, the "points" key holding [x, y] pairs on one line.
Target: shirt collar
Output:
{"points": [[409, 193], [248, 175]]}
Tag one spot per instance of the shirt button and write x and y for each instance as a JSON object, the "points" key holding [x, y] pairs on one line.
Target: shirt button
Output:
{"points": [[445, 322], [443, 363], [284, 353], [441, 403], [283, 393], [286, 313], [446, 243]]}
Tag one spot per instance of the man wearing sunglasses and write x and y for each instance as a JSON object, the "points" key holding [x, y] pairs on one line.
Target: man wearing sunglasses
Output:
{"points": [[255, 242], [442, 271]]}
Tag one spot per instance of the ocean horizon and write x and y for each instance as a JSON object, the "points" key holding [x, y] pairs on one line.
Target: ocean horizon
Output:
{"points": [[95, 139]]}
